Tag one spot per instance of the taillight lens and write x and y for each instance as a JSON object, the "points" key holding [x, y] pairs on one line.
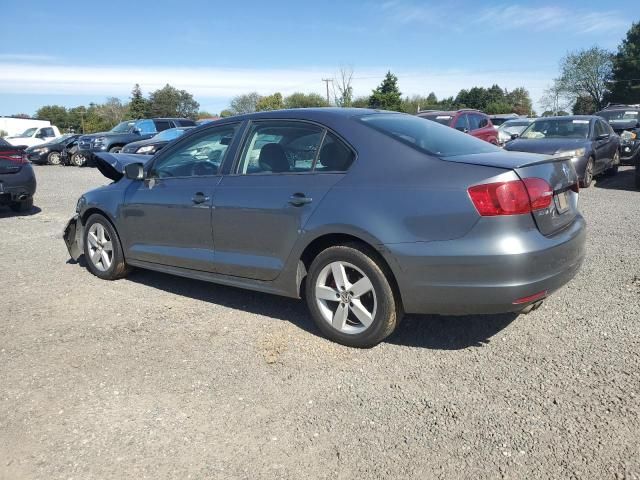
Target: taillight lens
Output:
{"points": [[14, 157], [514, 197]]}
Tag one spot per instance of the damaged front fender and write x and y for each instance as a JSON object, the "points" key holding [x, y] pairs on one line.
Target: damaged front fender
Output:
{"points": [[73, 237]]}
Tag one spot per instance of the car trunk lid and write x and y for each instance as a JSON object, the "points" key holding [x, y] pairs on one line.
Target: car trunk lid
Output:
{"points": [[558, 172]]}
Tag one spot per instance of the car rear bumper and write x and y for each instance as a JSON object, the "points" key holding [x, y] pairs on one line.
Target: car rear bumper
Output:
{"points": [[486, 274], [17, 186]]}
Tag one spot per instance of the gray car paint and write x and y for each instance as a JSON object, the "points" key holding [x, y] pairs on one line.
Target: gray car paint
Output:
{"points": [[412, 208]]}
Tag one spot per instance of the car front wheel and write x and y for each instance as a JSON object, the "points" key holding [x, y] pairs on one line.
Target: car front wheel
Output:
{"points": [[54, 158], [350, 298], [102, 249], [115, 150], [78, 159]]}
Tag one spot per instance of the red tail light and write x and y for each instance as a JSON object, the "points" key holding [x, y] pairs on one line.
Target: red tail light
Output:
{"points": [[14, 157], [514, 197]]}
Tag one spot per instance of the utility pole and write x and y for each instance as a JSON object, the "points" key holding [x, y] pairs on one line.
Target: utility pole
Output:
{"points": [[327, 80]]}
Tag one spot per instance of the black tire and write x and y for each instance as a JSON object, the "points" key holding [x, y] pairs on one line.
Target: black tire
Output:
{"points": [[587, 178], [388, 312], [118, 268], [115, 149], [54, 158], [78, 160], [613, 169], [22, 206]]}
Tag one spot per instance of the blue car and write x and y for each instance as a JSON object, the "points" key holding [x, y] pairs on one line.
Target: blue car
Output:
{"points": [[366, 214], [587, 140]]}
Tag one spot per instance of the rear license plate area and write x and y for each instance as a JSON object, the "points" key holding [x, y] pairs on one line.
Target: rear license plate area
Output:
{"points": [[562, 201]]}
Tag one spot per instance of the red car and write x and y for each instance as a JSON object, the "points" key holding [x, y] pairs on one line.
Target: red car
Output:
{"points": [[473, 122]]}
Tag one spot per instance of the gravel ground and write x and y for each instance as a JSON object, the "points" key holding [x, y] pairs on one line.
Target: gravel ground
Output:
{"points": [[161, 377]]}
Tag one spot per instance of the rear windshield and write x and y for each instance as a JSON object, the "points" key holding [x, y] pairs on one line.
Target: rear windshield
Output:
{"points": [[426, 136], [613, 116]]}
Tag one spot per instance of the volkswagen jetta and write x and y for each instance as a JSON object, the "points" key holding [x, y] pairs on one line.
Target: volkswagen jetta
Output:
{"points": [[367, 214]]}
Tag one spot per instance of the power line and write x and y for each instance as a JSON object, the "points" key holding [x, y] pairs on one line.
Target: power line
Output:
{"points": [[327, 80]]}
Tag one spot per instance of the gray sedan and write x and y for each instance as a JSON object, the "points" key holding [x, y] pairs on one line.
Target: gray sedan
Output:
{"points": [[588, 141], [366, 214]]}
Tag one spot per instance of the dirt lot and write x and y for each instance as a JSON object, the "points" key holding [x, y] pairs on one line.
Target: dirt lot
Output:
{"points": [[161, 377]]}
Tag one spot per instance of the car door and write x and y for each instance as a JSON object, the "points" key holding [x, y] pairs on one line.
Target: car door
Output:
{"points": [[282, 174], [167, 216], [601, 145]]}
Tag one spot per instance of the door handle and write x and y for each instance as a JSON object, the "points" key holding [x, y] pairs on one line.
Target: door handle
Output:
{"points": [[299, 199], [200, 198]]}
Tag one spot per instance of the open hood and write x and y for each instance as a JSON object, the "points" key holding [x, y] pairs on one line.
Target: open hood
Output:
{"points": [[111, 165]]}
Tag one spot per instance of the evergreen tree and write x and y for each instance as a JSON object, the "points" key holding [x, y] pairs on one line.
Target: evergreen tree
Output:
{"points": [[387, 96], [138, 105], [625, 84]]}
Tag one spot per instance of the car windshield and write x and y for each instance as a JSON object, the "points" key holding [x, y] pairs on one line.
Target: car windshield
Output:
{"points": [[439, 117], [557, 128], [28, 132], [123, 127], [426, 136], [169, 134], [613, 116], [514, 126]]}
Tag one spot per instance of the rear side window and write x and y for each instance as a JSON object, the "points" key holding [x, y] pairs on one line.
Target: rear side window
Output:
{"points": [[334, 155], [482, 121], [462, 123], [474, 121], [162, 125], [425, 136]]}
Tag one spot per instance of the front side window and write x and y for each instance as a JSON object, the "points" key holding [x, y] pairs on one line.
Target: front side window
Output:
{"points": [[428, 137], [146, 127], [482, 121], [123, 127], [201, 155], [280, 147], [47, 132]]}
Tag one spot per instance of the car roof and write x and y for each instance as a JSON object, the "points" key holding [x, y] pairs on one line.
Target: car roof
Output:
{"points": [[318, 113]]}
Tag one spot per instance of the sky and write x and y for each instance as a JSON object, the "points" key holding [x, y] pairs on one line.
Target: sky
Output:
{"points": [[78, 52]]}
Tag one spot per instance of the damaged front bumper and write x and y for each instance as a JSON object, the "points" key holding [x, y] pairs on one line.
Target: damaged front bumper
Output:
{"points": [[73, 237]]}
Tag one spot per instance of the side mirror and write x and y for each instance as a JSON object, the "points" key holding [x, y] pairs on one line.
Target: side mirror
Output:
{"points": [[514, 136], [137, 131], [134, 171]]}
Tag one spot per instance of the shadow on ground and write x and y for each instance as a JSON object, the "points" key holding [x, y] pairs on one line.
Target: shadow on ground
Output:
{"points": [[430, 331], [623, 180], [6, 212]]}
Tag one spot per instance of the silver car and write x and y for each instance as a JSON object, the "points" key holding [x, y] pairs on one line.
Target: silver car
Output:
{"points": [[366, 214]]}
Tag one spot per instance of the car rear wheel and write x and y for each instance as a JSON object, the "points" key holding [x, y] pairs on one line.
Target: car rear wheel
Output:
{"points": [[587, 178], [22, 206], [54, 158], [78, 160], [102, 249], [350, 298], [115, 150]]}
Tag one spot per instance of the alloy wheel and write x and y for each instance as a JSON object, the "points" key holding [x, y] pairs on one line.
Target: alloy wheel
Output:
{"points": [[78, 160], [345, 297], [54, 158], [100, 247]]}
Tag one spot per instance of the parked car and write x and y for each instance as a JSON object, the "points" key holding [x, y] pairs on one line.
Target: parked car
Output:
{"points": [[625, 121], [500, 118], [589, 142], [156, 143], [512, 127], [124, 133], [51, 152], [35, 136], [17, 178], [367, 214], [468, 121]]}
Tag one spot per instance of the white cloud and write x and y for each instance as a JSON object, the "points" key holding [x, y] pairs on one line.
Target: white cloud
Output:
{"points": [[26, 57]]}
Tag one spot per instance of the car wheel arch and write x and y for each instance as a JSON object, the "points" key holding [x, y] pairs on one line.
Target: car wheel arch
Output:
{"points": [[326, 240]]}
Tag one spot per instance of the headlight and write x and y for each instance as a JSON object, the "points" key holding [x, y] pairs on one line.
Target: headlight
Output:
{"points": [[146, 149], [99, 140], [40, 150], [81, 203], [574, 154]]}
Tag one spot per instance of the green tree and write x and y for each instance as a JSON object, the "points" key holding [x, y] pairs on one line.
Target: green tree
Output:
{"points": [[20, 115], [270, 102], [432, 99], [303, 100], [519, 100], [245, 103], [584, 106], [625, 82], [360, 102], [587, 73], [76, 118], [387, 96], [204, 114], [138, 105], [414, 104], [227, 113], [500, 106], [112, 111], [56, 114], [171, 102]]}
